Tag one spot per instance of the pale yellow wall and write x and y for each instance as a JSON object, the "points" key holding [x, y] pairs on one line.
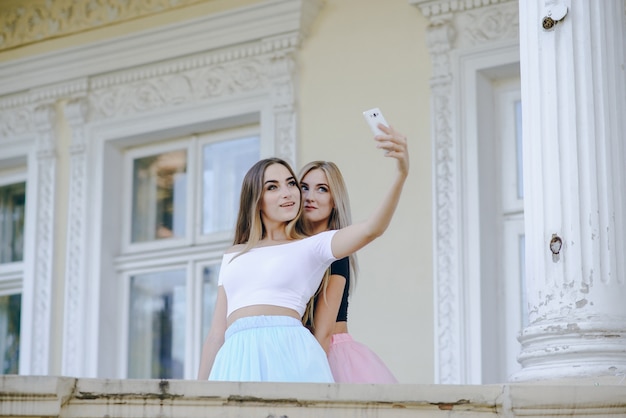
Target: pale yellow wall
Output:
{"points": [[362, 54]]}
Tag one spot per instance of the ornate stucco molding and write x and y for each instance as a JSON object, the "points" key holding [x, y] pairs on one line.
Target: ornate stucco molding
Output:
{"points": [[23, 23], [276, 19], [74, 347], [17, 115], [283, 99], [15, 122], [44, 123], [455, 26], [202, 77], [447, 257], [490, 24], [433, 9]]}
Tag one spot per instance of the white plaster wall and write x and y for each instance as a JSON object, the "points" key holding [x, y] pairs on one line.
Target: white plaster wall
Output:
{"points": [[362, 54]]}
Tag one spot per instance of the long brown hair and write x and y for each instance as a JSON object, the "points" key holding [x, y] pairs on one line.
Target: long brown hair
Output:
{"points": [[340, 217], [249, 229]]}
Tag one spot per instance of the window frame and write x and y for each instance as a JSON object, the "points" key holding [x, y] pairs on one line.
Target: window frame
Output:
{"points": [[195, 251], [129, 247], [12, 274], [8, 177], [124, 294], [208, 138]]}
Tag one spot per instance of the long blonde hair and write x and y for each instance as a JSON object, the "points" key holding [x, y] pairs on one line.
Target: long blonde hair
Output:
{"points": [[340, 217], [249, 229]]}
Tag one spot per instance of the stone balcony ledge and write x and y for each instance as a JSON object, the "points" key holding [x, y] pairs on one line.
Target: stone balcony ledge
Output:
{"points": [[47, 396]]}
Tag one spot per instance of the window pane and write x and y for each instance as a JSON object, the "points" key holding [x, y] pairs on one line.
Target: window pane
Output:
{"points": [[224, 166], [157, 325], [12, 210], [10, 310], [209, 296], [159, 196]]}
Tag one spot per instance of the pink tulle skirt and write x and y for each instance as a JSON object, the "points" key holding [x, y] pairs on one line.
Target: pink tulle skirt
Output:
{"points": [[353, 362]]}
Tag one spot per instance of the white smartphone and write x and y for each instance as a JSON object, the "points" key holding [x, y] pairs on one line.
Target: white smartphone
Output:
{"points": [[373, 118]]}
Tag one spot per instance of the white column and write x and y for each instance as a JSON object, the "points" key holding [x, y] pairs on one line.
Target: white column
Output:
{"points": [[574, 132]]}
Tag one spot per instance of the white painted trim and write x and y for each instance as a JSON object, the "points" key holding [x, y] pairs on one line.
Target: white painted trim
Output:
{"points": [[470, 64], [176, 144], [202, 140], [264, 19], [29, 298], [39, 280], [16, 177], [461, 46]]}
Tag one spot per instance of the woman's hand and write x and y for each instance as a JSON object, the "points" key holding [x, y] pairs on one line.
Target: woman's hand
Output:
{"points": [[395, 145], [354, 237]]}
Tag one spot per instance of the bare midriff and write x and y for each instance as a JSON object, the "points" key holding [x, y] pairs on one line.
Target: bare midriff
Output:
{"points": [[257, 310]]}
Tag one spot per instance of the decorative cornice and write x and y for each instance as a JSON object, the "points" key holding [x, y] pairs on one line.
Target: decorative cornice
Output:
{"points": [[49, 93], [279, 21], [145, 94], [203, 60], [437, 8], [23, 23]]}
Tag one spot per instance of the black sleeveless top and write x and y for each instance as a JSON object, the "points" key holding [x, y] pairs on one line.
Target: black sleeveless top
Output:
{"points": [[342, 268]]}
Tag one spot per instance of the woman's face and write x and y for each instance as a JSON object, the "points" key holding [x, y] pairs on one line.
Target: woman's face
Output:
{"points": [[280, 201], [318, 201]]}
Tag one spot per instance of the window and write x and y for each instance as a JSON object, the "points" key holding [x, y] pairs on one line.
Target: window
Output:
{"points": [[12, 220], [512, 294], [182, 198], [501, 231], [12, 211], [10, 312]]}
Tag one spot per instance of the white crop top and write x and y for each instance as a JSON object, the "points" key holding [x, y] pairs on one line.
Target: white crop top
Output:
{"points": [[285, 275]]}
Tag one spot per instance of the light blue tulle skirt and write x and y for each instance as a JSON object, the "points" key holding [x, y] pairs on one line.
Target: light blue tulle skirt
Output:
{"points": [[270, 349]]}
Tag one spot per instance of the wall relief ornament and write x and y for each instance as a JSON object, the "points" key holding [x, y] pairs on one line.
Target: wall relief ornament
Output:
{"points": [[150, 93], [44, 118], [20, 113], [15, 122], [74, 347], [23, 23], [496, 23], [455, 25]]}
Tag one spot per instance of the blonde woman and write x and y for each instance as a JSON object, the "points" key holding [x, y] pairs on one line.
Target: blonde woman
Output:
{"points": [[327, 207], [271, 272]]}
